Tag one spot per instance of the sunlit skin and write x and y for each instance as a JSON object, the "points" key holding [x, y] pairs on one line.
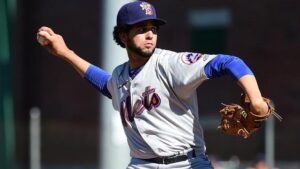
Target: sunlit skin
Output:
{"points": [[140, 43]]}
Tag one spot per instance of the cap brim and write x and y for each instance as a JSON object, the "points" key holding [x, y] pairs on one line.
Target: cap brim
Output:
{"points": [[158, 21]]}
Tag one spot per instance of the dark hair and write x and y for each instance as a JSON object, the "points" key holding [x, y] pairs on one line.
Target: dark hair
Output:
{"points": [[124, 29], [116, 33]]}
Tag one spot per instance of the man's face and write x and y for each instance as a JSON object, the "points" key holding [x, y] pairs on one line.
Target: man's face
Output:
{"points": [[142, 39]]}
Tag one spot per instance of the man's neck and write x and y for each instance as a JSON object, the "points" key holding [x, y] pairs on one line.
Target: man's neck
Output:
{"points": [[135, 60]]}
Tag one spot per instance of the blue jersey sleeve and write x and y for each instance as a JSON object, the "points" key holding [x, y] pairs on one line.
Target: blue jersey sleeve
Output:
{"points": [[227, 65], [98, 78]]}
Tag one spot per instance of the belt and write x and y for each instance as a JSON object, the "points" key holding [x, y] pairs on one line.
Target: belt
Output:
{"points": [[172, 159]]}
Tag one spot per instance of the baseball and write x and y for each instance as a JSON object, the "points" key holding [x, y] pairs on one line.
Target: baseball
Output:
{"points": [[41, 39]]}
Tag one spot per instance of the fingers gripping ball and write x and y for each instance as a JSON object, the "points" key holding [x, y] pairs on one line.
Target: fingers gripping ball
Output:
{"points": [[41, 38], [238, 120]]}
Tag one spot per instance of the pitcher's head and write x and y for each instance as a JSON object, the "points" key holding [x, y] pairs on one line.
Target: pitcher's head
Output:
{"points": [[135, 19], [137, 11]]}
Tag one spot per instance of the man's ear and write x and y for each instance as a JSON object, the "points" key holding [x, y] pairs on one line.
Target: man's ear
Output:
{"points": [[123, 37]]}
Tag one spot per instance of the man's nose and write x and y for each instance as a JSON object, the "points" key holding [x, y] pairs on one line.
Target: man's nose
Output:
{"points": [[149, 34]]}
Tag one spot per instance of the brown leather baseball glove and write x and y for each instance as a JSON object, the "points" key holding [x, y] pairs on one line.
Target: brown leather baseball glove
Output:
{"points": [[238, 120]]}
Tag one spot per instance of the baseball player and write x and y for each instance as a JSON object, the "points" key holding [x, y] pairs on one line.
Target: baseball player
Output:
{"points": [[155, 90]]}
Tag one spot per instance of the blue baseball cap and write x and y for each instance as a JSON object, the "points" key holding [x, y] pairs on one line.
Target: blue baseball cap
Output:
{"points": [[137, 11]]}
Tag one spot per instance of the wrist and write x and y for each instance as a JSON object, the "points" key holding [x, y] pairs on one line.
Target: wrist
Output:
{"points": [[259, 107], [67, 54]]}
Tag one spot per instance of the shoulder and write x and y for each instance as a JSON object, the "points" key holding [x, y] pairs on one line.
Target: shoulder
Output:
{"points": [[168, 56], [119, 69], [164, 53], [164, 56]]}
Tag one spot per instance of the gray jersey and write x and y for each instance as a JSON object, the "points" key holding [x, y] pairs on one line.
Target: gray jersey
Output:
{"points": [[159, 108]]}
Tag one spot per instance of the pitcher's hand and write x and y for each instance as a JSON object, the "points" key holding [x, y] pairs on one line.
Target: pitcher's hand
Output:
{"points": [[54, 43]]}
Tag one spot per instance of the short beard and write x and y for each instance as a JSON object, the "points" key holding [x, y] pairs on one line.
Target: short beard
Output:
{"points": [[131, 46]]}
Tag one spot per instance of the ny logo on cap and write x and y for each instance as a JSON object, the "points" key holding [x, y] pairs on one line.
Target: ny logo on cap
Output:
{"points": [[147, 8]]}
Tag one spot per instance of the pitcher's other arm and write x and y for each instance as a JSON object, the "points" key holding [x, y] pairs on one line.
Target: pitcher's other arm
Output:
{"points": [[239, 71]]}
